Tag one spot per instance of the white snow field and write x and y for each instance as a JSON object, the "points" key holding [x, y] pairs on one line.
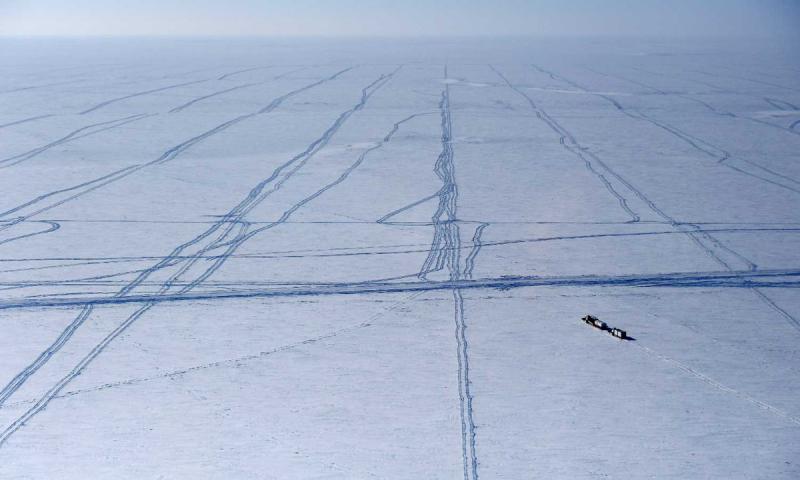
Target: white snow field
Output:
{"points": [[308, 259]]}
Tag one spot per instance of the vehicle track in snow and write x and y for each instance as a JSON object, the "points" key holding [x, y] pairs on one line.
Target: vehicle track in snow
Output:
{"points": [[31, 208], [231, 89], [739, 279], [256, 195], [404, 208], [146, 92], [231, 362], [719, 113], [77, 134], [719, 386], [445, 253], [752, 80], [718, 89], [568, 142], [398, 249], [696, 237], [237, 72], [26, 120], [170, 154], [44, 85], [694, 233], [781, 104], [705, 104], [445, 236], [714, 152], [141, 93], [53, 226], [477, 244]]}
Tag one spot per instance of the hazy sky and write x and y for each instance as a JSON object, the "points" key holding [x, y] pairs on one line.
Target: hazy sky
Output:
{"points": [[399, 17]]}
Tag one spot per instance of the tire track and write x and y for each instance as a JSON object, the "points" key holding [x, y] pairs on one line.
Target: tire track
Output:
{"points": [[612, 172], [719, 386], [445, 235], [393, 213], [781, 104], [81, 132], [469, 264], [139, 94], [53, 227], [223, 77], [638, 193], [726, 156], [214, 94], [692, 233], [708, 105], [20, 378], [232, 362], [396, 126], [89, 185], [745, 279], [32, 87], [25, 120], [568, 142], [445, 251], [228, 90], [719, 245], [720, 155], [170, 282], [333, 252], [237, 241], [287, 214], [255, 197], [659, 91], [169, 155], [770, 84], [464, 392], [258, 193], [113, 100]]}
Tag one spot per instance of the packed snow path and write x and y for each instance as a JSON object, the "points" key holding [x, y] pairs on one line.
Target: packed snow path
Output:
{"points": [[307, 260]]}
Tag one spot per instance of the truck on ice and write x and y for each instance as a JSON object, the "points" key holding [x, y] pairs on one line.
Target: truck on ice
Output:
{"points": [[595, 322]]}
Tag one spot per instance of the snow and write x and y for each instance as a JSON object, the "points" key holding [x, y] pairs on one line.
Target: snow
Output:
{"points": [[369, 259]]}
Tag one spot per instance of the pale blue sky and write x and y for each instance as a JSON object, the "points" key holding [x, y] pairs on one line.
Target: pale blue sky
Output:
{"points": [[399, 17]]}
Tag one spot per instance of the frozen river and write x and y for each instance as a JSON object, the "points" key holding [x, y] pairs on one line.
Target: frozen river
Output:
{"points": [[369, 259]]}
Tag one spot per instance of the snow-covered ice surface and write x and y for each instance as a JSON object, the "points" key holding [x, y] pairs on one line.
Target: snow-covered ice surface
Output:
{"points": [[291, 259]]}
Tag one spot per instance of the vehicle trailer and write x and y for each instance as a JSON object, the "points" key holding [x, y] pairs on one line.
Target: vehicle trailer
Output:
{"points": [[619, 333]]}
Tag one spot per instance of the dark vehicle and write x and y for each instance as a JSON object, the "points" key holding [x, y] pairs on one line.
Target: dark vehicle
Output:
{"points": [[619, 333], [595, 322]]}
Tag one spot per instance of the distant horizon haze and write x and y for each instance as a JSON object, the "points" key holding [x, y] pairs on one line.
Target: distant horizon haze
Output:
{"points": [[410, 18]]}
